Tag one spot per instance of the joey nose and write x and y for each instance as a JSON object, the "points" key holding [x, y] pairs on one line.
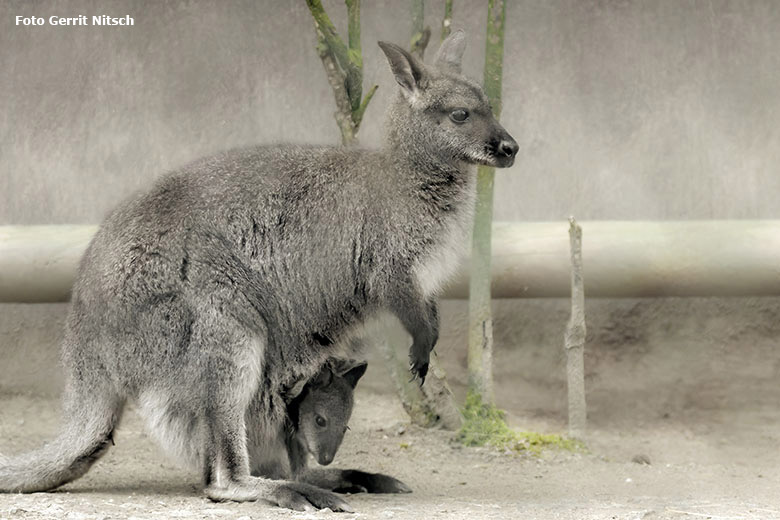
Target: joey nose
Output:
{"points": [[508, 147], [325, 458]]}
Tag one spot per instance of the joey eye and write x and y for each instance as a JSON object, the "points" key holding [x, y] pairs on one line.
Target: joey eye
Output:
{"points": [[321, 421], [459, 115]]}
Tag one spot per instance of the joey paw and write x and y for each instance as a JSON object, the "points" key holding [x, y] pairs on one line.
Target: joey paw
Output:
{"points": [[386, 484], [376, 482], [353, 489]]}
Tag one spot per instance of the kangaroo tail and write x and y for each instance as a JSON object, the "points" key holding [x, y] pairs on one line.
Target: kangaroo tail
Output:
{"points": [[86, 437]]}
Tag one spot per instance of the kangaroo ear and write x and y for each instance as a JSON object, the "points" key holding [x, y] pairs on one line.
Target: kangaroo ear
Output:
{"points": [[409, 72], [450, 54], [354, 375]]}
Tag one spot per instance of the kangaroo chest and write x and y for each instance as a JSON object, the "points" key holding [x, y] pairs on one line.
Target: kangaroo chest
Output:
{"points": [[439, 262]]}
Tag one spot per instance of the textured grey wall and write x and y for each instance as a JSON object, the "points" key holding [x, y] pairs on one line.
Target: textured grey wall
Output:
{"points": [[659, 109], [623, 110]]}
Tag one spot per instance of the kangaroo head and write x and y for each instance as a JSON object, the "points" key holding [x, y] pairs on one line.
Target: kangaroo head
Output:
{"points": [[325, 410], [442, 113]]}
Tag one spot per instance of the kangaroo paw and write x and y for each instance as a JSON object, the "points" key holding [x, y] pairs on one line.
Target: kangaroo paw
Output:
{"points": [[292, 495], [419, 369], [303, 497]]}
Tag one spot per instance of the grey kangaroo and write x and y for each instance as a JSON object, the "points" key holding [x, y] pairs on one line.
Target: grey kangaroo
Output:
{"points": [[242, 273], [317, 421]]}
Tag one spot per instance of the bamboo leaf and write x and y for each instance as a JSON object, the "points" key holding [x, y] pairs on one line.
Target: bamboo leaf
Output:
{"points": [[357, 116]]}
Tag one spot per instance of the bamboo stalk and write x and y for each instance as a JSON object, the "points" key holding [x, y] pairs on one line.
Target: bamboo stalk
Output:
{"points": [[480, 353], [329, 35], [343, 64], [336, 79], [421, 34], [446, 22], [354, 80], [480, 349]]}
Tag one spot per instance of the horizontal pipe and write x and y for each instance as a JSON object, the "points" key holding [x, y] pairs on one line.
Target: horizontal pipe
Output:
{"points": [[530, 260], [38, 263], [634, 259]]}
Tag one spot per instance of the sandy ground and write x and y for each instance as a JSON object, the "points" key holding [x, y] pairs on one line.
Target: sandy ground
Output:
{"points": [[702, 465], [692, 385]]}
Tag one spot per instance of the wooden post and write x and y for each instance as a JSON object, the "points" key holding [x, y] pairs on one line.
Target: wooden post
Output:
{"points": [[574, 339]]}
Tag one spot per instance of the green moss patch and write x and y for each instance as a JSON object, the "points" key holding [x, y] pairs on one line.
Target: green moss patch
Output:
{"points": [[485, 425]]}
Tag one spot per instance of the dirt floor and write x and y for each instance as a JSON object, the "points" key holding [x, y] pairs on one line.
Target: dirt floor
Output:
{"points": [[700, 467], [691, 386]]}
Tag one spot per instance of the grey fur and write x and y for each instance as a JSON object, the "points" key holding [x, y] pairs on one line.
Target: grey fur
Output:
{"points": [[239, 275]]}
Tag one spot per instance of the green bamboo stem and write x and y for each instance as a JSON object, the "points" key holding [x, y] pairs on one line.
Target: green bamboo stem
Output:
{"points": [[329, 34], [494, 53], [357, 116], [420, 34], [446, 22], [480, 354], [353, 27], [344, 67], [418, 19], [335, 75], [354, 70]]}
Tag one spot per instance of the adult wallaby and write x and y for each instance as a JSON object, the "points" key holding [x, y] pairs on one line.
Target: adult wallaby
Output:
{"points": [[317, 421], [241, 274]]}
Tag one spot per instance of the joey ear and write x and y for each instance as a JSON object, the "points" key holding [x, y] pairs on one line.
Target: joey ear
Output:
{"points": [[409, 72], [450, 54], [355, 373], [323, 377]]}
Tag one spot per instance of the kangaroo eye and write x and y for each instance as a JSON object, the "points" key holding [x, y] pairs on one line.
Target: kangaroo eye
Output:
{"points": [[321, 421], [459, 115]]}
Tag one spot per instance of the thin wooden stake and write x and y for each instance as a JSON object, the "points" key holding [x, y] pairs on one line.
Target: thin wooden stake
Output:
{"points": [[574, 339]]}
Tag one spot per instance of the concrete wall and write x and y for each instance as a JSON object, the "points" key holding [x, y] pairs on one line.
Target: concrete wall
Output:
{"points": [[623, 110], [654, 110]]}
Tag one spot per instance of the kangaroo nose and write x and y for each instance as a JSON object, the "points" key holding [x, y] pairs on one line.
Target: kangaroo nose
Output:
{"points": [[508, 147]]}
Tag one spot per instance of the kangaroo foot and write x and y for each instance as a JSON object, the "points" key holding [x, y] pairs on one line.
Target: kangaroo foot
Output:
{"points": [[292, 495]]}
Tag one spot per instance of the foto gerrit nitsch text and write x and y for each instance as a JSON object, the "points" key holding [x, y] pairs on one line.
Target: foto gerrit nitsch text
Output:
{"points": [[102, 19]]}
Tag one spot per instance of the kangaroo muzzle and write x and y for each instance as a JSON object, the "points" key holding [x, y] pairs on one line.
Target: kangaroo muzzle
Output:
{"points": [[503, 148], [325, 458]]}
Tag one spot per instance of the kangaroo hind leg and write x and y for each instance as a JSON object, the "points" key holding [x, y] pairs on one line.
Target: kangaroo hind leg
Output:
{"points": [[227, 394]]}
